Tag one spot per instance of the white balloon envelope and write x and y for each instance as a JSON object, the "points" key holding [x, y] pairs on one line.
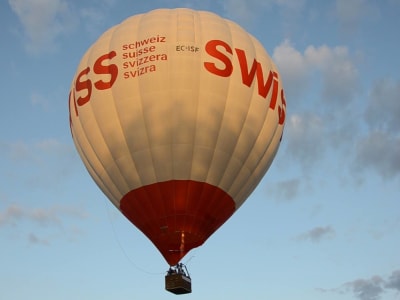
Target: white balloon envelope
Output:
{"points": [[177, 115]]}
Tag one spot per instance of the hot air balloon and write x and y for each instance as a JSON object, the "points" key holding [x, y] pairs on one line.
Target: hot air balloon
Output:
{"points": [[177, 115]]}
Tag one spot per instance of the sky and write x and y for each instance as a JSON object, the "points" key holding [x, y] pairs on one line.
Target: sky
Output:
{"points": [[324, 223]]}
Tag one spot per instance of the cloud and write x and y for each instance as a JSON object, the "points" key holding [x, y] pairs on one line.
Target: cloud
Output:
{"points": [[317, 234], [339, 73], [351, 13], [383, 109], [369, 289], [43, 21], [45, 162], [366, 289], [44, 223], [328, 120], [393, 281], [244, 11], [380, 152], [34, 239], [293, 68], [38, 152], [285, 190], [334, 67], [40, 100], [15, 214], [305, 138]]}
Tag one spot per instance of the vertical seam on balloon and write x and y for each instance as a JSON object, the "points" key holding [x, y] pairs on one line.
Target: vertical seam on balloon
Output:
{"points": [[89, 143], [250, 101], [251, 91], [138, 29], [265, 157], [192, 13], [222, 118], [196, 128], [168, 66], [92, 171], [141, 100], [228, 88], [118, 119], [99, 126]]}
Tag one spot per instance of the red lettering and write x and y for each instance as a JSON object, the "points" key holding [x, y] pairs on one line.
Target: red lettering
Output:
{"points": [[211, 49], [71, 98], [100, 69], [256, 69], [248, 74], [282, 110], [247, 77], [83, 85], [274, 95], [69, 108]]}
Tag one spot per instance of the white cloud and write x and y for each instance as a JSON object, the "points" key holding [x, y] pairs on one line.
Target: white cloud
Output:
{"points": [[339, 74], [333, 121], [334, 66], [43, 21], [293, 67], [305, 138]]}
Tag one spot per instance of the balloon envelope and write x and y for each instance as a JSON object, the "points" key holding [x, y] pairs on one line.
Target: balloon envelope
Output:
{"points": [[177, 115]]}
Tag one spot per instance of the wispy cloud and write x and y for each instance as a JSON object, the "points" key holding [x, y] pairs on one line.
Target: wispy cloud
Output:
{"points": [[43, 21], [285, 190], [351, 13], [378, 151], [246, 12], [317, 234], [383, 108], [40, 100], [45, 162], [369, 289], [366, 289], [37, 152], [379, 148], [393, 282], [45, 223], [305, 134], [14, 214]]}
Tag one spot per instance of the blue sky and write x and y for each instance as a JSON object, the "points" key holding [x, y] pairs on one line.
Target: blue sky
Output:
{"points": [[324, 222]]}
